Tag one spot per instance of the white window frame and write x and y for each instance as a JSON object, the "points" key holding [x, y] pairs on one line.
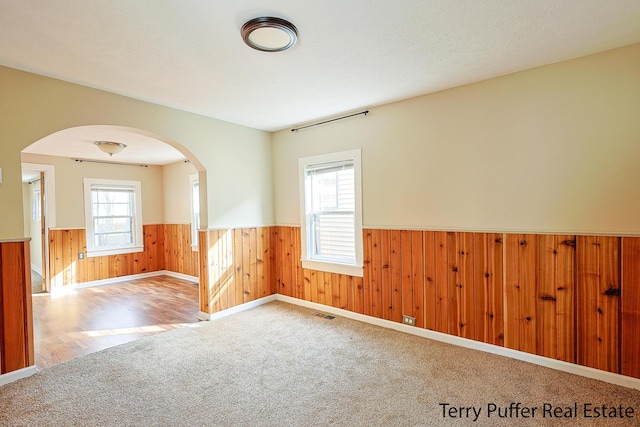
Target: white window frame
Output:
{"points": [[195, 220], [355, 269], [138, 241]]}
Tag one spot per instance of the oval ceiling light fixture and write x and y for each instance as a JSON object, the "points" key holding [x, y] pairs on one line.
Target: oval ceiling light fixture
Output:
{"points": [[269, 34], [110, 147]]}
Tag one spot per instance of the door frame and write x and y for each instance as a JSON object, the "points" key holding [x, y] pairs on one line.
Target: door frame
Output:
{"points": [[49, 212]]}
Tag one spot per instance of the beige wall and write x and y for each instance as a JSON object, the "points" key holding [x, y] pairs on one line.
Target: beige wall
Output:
{"points": [[551, 149], [177, 192], [69, 187], [237, 159]]}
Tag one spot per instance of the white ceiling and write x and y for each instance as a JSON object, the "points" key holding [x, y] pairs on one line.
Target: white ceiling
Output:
{"points": [[350, 54]]}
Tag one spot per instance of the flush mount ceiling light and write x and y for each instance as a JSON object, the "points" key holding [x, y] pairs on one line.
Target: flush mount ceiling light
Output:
{"points": [[110, 147], [269, 34]]}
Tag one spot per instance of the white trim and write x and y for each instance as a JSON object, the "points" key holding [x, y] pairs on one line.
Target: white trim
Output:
{"points": [[485, 230], [49, 191], [118, 251], [333, 267], [138, 236], [193, 180], [12, 376], [16, 240], [355, 155], [36, 268], [558, 365], [180, 276], [238, 308], [68, 288]]}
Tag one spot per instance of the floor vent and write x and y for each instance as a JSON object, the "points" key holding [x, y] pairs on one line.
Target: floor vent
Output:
{"points": [[326, 316]]}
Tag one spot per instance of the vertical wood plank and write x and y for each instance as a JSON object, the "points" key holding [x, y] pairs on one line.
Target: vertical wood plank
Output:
{"points": [[417, 273], [546, 323], [512, 305], [246, 265], [225, 268], [237, 260], [630, 307], [297, 259], [429, 266], [376, 275], [367, 282], [344, 292], [565, 298], [288, 286], [262, 261], [481, 286], [386, 286], [407, 273], [528, 291], [278, 258], [253, 264], [26, 296], [495, 260], [14, 335], [203, 283], [467, 286], [322, 297], [442, 282], [396, 276], [313, 279], [335, 290], [359, 294], [454, 284], [587, 300], [609, 303]]}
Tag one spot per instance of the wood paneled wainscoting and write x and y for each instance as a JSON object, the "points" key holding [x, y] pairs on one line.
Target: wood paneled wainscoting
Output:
{"points": [[236, 267], [571, 298], [16, 321], [166, 247]]}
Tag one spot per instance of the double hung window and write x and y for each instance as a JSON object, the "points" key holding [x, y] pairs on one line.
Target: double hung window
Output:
{"points": [[330, 188], [113, 217]]}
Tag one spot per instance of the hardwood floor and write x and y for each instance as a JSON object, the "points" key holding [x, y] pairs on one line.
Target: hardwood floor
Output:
{"points": [[92, 319]]}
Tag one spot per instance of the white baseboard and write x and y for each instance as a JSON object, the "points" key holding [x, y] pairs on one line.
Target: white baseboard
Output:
{"points": [[64, 289], [179, 276], [237, 309], [204, 316], [17, 375], [559, 365], [36, 268]]}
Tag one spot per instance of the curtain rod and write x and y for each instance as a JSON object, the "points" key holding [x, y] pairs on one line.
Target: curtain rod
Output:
{"points": [[329, 121], [109, 163]]}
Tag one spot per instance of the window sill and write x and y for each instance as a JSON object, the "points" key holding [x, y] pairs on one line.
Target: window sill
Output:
{"points": [[332, 267], [120, 251]]}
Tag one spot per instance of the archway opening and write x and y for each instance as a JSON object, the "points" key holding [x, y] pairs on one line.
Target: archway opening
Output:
{"points": [[119, 257]]}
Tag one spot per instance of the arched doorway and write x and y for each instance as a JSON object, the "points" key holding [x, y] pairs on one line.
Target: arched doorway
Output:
{"points": [[152, 185]]}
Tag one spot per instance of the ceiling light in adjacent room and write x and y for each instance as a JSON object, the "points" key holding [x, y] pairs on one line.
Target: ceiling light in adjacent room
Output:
{"points": [[269, 34], [110, 147]]}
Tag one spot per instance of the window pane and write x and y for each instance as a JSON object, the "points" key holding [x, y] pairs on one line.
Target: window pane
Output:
{"points": [[333, 190], [117, 239], [335, 236], [112, 225], [117, 209]]}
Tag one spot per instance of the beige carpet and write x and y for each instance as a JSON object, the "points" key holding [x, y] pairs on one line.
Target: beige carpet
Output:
{"points": [[281, 365]]}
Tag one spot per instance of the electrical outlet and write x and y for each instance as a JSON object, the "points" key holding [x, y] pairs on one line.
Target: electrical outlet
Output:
{"points": [[80, 255], [408, 320]]}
